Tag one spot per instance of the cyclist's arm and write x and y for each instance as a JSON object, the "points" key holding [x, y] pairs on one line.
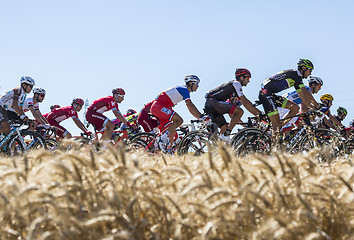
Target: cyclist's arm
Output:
{"points": [[120, 117], [249, 106], [38, 115], [193, 109], [18, 109], [335, 121], [307, 97], [80, 125]]}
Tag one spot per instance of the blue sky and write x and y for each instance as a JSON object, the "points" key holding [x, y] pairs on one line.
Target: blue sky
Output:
{"points": [[86, 48]]}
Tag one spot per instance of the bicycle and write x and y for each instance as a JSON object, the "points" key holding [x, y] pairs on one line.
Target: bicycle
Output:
{"points": [[20, 140], [309, 136]]}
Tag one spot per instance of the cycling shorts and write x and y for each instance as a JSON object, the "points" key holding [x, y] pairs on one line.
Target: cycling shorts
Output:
{"points": [[164, 114], [3, 115], [216, 109], [145, 120], [97, 120], [271, 102]]}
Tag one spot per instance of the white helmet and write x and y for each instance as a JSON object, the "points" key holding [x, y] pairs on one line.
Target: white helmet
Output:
{"points": [[315, 80], [191, 78], [39, 91], [351, 123], [28, 80]]}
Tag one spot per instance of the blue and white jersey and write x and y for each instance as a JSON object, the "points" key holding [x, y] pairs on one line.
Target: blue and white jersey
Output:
{"points": [[294, 96]]}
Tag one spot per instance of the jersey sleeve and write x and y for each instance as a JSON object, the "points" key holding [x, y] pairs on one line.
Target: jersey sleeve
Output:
{"points": [[238, 88], [183, 90], [298, 82]]}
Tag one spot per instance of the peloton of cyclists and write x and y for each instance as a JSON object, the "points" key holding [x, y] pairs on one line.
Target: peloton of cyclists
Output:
{"points": [[217, 104], [279, 82], [32, 104]]}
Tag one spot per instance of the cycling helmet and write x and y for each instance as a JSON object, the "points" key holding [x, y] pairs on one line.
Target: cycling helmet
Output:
{"points": [[315, 80], [326, 97], [191, 78], [28, 80], [39, 91], [54, 107], [305, 63], [242, 72], [130, 112], [78, 101], [341, 110], [119, 91]]}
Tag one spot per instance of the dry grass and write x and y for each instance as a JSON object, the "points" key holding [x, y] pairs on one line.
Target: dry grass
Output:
{"points": [[80, 194]]}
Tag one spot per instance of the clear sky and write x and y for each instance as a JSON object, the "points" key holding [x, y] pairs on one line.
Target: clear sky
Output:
{"points": [[85, 48]]}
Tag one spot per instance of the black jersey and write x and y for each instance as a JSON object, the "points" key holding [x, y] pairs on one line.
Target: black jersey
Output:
{"points": [[283, 80], [225, 91]]}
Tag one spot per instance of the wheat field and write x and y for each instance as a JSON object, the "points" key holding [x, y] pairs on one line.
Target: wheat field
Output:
{"points": [[114, 194]]}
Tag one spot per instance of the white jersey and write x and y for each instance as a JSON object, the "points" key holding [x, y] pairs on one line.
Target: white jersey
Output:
{"points": [[26, 104], [6, 100]]}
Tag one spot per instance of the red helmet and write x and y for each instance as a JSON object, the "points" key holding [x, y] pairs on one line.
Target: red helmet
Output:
{"points": [[79, 101], [242, 72], [119, 91]]}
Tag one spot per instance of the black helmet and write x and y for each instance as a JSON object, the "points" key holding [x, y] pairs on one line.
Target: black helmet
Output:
{"points": [[305, 63]]}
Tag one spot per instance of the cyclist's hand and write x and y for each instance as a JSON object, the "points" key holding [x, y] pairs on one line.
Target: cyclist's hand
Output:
{"points": [[88, 133], [205, 118], [262, 116], [46, 126], [24, 118]]}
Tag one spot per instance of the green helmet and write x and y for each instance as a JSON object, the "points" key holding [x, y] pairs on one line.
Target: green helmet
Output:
{"points": [[305, 63], [341, 110]]}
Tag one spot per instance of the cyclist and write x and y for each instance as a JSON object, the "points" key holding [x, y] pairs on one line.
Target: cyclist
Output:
{"points": [[13, 99], [132, 117], [58, 115], [315, 84], [168, 118], [146, 120], [279, 82], [32, 104], [341, 114], [217, 104], [95, 116], [326, 103], [127, 116]]}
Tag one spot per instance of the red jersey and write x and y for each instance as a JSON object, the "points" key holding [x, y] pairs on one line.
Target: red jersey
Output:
{"points": [[104, 104], [60, 114]]}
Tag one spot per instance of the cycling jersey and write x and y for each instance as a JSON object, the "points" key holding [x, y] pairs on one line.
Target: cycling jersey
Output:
{"points": [[104, 104], [60, 114], [283, 80], [224, 91], [162, 106], [26, 104], [174, 95], [294, 96], [6, 100]]}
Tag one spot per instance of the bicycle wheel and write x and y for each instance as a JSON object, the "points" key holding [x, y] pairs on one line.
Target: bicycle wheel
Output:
{"points": [[51, 144], [328, 142], [251, 141], [14, 146], [196, 143], [32, 140], [143, 141]]}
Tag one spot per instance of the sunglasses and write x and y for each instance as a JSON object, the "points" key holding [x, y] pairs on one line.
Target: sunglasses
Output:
{"points": [[119, 95]]}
